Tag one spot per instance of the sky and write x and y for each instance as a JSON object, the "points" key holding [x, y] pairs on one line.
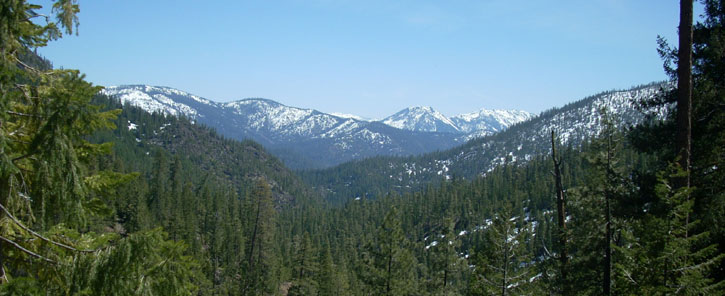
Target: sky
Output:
{"points": [[373, 58]]}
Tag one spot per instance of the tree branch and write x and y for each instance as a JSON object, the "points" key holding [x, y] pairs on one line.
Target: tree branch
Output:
{"points": [[39, 235], [24, 250], [543, 244], [629, 276], [22, 157], [23, 114]]}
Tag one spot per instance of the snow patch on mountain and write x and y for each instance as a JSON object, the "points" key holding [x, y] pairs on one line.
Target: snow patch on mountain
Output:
{"points": [[152, 99], [490, 120], [349, 116]]}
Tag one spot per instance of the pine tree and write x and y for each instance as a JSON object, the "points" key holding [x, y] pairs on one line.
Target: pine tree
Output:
{"points": [[328, 278], [504, 266], [659, 256], [605, 187], [446, 261], [260, 225], [389, 266], [305, 266], [159, 195]]}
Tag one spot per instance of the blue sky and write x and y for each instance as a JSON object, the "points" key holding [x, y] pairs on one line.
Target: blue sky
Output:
{"points": [[374, 57]]}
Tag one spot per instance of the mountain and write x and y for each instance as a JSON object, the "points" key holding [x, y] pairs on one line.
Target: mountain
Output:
{"points": [[306, 138], [573, 124], [141, 137], [421, 119], [486, 122], [471, 125]]}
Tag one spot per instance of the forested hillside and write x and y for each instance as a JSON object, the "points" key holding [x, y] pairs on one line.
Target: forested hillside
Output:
{"points": [[141, 137], [575, 123]]}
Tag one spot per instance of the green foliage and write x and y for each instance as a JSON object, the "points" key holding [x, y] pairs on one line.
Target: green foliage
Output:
{"points": [[144, 263], [662, 254], [51, 196]]}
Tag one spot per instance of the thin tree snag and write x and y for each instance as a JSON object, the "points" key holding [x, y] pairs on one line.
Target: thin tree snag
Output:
{"points": [[561, 215]]}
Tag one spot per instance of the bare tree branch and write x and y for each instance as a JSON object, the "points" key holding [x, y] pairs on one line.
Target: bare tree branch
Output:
{"points": [[23, 114]]}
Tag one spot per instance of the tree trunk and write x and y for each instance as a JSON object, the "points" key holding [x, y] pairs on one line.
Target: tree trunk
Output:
{"points": [[254, 233], [561, 215], [684, 94], [390, 267], [4, 191], [504, 281], [608, 218]]}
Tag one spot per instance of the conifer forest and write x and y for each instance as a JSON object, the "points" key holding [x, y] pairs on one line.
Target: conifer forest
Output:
{"points": [[101, 197]]}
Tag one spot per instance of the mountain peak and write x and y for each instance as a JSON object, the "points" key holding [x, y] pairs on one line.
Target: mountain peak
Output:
{"points": [[480, 123], [421, 118], [487, 121]]}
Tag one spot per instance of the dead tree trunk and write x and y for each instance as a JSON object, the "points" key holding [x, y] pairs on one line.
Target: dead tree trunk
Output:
{"points": [[561, 216]]}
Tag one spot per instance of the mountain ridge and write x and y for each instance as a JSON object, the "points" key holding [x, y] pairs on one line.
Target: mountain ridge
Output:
{"points": [[302, 138], [573, 124]]}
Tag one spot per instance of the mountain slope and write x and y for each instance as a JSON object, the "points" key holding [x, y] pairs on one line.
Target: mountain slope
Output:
{"points": [[487, 122], [573, 124], [141, 136]]}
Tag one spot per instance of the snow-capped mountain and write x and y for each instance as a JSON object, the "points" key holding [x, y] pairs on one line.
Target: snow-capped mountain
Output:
{"points": [[471, 125], [158, 99], [306, 138], [486, 122], [422, 119], [283, 123], [303, 138]]}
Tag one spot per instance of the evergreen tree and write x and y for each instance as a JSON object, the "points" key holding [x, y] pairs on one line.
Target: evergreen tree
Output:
{"points": [[260, 262], [389, 268], [329, 281], [663, 138], [658, 255], [48, 193], [445, 270], [593, 223], [305, 270], [504, 266]]}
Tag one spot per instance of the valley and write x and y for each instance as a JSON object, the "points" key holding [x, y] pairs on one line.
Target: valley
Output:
{"points": [[151, 190]]}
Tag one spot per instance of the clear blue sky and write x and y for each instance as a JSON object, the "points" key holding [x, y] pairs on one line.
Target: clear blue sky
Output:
{"points": [[374, 57]]}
